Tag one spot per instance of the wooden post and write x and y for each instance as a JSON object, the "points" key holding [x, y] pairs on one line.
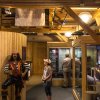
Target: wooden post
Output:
{"points": [[73, 63], [84, 54]]}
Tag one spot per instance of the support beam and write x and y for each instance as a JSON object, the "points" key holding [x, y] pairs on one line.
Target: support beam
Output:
{"points": [[63, 37], [48, 3], [38, 30], [59, 44], [97, 17], [39, 3], [80, 22]]}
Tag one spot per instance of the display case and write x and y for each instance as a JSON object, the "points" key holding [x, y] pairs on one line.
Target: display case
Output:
{"points": [[86, 86], [57, 55]]}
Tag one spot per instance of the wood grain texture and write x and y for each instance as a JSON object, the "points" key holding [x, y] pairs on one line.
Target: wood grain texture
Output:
{"points": [[39, 53]]}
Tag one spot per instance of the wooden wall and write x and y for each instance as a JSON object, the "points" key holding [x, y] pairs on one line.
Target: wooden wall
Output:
{"points": [[29, 54], [29, 51], [36, 52], [10, 42]]}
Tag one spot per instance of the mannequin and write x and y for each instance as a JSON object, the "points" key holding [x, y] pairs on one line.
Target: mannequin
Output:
{"points": [[15, 70]]}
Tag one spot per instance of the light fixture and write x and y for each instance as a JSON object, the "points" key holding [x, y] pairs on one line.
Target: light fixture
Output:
{"points": [[85, 16], [68, 34]]}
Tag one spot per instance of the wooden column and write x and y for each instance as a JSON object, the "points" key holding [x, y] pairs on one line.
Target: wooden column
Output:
{"points": [[73, 63], [84, 53]]}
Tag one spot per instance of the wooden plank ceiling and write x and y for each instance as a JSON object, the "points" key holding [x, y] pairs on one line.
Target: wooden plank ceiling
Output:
{"points": [[58, 20]]}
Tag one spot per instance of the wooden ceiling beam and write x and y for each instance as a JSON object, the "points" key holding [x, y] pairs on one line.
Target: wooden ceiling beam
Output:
{"points": [[65, 39], [80, 22], [48, 3], [38, 30], [39, 4]]}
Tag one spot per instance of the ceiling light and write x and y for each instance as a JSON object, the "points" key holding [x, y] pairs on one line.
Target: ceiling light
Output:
{"points": [[68, 34], [85, 16]]}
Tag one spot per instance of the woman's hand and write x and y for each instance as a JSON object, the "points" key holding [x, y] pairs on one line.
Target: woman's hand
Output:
{"points": [[43, 80]]}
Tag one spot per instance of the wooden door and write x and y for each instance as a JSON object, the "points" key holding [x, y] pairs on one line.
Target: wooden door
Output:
{"points": [[39, 53]]}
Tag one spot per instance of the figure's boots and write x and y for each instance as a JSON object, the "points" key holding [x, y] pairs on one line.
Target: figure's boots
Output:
{"points": [[4, 95], [18, 98]]}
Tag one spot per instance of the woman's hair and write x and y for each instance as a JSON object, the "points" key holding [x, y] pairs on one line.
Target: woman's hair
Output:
{"points": [[66, 55], [18, 58]]}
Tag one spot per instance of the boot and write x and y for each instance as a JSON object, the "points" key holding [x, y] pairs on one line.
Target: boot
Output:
{"points": [[18, 97], [4, 95]]}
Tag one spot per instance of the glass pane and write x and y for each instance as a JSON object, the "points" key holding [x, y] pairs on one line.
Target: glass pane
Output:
{"points": [[53, 55], [62, 52], [78, 72], [93, 68], [57, 55]]}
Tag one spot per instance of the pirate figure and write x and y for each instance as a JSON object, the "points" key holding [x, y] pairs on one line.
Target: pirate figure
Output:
{"points": [[16, 71]]}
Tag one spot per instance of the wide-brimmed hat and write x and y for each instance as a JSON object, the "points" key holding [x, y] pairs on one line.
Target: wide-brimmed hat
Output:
{"points": [[47, 60]]}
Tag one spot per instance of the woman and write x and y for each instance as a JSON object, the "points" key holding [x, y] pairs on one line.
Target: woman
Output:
{"points": [[47, 78]]}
